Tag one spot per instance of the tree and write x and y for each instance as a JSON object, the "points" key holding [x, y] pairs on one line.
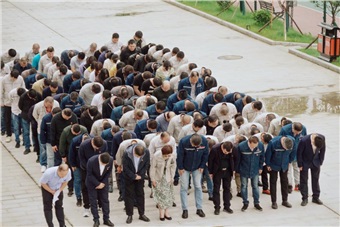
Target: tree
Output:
{"points": [[332, 8]]}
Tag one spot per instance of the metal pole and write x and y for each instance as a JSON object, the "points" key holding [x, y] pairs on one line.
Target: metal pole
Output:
{"points": [[324, 11], [255, 5], [287, 17], [242, 7]]}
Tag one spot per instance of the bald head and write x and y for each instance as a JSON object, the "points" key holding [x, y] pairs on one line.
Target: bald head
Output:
{"points": [[186, 120]]}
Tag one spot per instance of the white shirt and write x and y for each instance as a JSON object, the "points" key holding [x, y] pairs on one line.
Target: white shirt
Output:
{"points": [[13, 95], [156, 144], [188, 130], [136, 162], [76, 62], [220, 134], [217, 108], [200, 98], [250, 113], [174, 83], [101, 167], [98, 101]]}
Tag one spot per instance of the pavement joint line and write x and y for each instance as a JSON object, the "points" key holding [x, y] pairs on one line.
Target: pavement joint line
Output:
{"points": [[66, 219], [44, 24]]}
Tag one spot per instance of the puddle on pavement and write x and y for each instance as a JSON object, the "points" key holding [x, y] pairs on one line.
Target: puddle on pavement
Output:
{"points": [[294, 105], [124, 14]]}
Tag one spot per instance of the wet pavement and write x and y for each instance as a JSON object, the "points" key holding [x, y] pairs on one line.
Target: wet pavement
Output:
{"points": [[288, 85]]}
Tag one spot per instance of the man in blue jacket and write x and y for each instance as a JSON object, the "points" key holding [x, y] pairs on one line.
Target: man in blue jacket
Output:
{"points": [[192, 84], [146, 126], [192, 156], [178, 96], [72, 101], [280, 152], [249, 165], [210, 101]]}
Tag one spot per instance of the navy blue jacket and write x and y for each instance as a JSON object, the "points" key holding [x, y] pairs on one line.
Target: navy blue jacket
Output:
{"points": [[30, 80], [192, 158], [142, 130], [107, 136], [172, 100], [117, 140], [287, 131], [129, 170], [47, 91], [249, 162], [129, 79], [305, 155], [208, 103], [74, 106], [75, 86], [239, 105], [116, 114], [179, 107], [185, 84], [277, 158], [73, 157], [231, 97], [93, 177], [86, 151], [204, 115], [152, 111], [67, 82], [45, 129]]}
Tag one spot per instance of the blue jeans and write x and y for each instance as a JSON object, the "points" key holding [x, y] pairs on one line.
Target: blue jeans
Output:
{"points": [[3, 126], [210, 185], [244, 189], [50, 155], [77, 182], [184, 180], [26, 133], [43, 156], [16, 120]]}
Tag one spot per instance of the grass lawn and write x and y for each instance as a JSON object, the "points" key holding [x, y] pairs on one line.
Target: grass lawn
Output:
{"points": [[274, 31], [315, 53]]}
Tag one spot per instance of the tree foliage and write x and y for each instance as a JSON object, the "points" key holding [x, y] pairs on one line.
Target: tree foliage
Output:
{"points": [[332, 8]]}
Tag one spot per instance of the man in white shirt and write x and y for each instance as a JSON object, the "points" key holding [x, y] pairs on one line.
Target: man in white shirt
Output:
{"points": [[47, 58], [76, 61], [114, 45], [196, 127], [252, 110], [224, 111], [177, 123]]}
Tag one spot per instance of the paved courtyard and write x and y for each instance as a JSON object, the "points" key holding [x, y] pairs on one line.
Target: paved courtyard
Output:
{"points": [[286, 84]]}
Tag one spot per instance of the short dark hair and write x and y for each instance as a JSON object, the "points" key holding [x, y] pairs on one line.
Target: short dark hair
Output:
{"points": [[267, 138], [104, 158], [74, 96], [118, 101], [56, 110], [63, 69], [212, 118], [95, 88], [180, 54], [196, 139], [98, 141], [182, 94], [297, 126], [106, 94], [67, 112], [32, 93], [227, 145], [248, 99], [81, 55], [115, 128], [20, 91], [139, 34], [76, 75], [253, 139], [288, 142], [160, 105], [218, 97], [198, 123], [167, 149], [126, 135], [257, 105], [54, 84], [115, 35], [183, 75], [76, 128], [152, 124], [139, 150], [227, 127], [93, 110], [319, 141], [175, 50], [50, 49], [131, 41], [15, 73], [12, 53]]}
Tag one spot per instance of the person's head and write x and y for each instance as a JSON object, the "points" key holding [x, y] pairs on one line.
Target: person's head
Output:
{"points": [[97, 142], [152, 125], [106, 124], [74, 96], [209, 82], [257, 105], [106, 94], [193, 78], [213, 121], [224, 110], [32, 94], [71, 54], [174, 51], [131, 45], [93, 47], [180, 55], [103, 49], [165, 86], [95, 88], [227, 147], [138, 150], [247, 99], [12, 53], [266, 138], [286, 122], [227, 127], [55, 59], [189, 106], [114, 129], [223, 90], [62, 170], [138, 114], [146, 75], [14, 75], [36, 48], [270, 117], [138, 35], [81, 56], [239, 120], [63, 69], [54, 86], [48, 104], [126, 135], [126, 109], [115, 37], [297, 128], [20, 91], [254, 130], [75, 129], [104, 158], [23, 62], [93, 111], [168, 115], [185, 119], [165, 137], [50, 52], [56, 110], [182, 94], [287, 143], [160, 106], [195, 140], [76, 75], [253, 141], [197, 124], [157, 81], [218, 97], [166, 151], [318, 141], [166, 65], [183, 75], [66, 113]]}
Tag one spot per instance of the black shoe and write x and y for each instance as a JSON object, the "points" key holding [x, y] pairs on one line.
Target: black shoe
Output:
{"points": [[144, 218], [120, 198], [129, 220], [79, 203], [239, 194], [258, 207], [27, 151], [290, 189], [17, 145], [286, 204], [228, 210], [3, 133], [200, 213], [304, 202], [245, 206], [174, 204], [108, 223], [211, 198], [185, 214], [168, 218], [70, 193], [110, 188], [217, 211], [96, 223], [317, 201], [274, 205], [162, 219], [175, 182]]}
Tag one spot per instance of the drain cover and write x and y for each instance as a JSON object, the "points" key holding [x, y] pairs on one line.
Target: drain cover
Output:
{"points": [[229, 57]]}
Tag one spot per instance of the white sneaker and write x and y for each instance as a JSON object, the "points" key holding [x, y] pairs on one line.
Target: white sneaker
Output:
{"points": [[86, 213], [8, 139], [43, 168]]}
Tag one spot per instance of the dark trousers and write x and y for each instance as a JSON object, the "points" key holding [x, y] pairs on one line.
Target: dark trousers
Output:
{"points": [[34, 128], [122, 185], [84, 191], [71, 182], [8, 120], [225, 177], [134, 191], [101, 196], [284, 184], [264, 178], [315, 173], [59, 210]]}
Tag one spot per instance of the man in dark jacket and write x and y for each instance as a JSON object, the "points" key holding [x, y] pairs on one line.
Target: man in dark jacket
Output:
{"points": [[99, 168], [279, 154], [222, 158], [192, 156], [249, 165], [136, 160], [89, 116]]}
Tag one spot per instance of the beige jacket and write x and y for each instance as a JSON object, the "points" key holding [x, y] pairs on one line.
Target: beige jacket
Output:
{"points": [[157, 168]]}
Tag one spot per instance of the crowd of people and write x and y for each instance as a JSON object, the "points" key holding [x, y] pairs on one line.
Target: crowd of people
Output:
{"points": [[145, 113]]}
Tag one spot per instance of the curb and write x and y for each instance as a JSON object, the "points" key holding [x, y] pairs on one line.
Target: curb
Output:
{"points": [[294, 51], [235, 27]]}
